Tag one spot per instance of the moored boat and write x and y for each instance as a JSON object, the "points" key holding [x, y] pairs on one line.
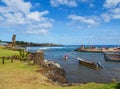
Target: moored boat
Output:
{"points": [[90, 63], [115, 57]]}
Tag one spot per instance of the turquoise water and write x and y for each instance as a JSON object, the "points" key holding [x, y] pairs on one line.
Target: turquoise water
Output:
{"points": [[76, 73]]}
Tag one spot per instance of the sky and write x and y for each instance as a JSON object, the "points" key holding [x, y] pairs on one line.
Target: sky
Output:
{"points": [[67, 22]]}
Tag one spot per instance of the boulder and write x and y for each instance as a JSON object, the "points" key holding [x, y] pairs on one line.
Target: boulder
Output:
{"points": [[54, 72]]}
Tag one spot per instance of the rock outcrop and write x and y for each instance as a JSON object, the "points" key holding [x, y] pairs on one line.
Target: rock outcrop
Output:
{"points": [[53, 71]]}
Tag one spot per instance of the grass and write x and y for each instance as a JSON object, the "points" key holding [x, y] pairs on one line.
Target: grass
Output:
{"points": [[19, 75], [5, 52]]}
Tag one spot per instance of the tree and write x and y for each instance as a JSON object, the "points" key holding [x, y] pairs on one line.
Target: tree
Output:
{"points": [[0, 40]]}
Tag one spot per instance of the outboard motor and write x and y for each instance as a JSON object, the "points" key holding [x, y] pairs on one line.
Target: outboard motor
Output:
{"points": [[99, 65]]}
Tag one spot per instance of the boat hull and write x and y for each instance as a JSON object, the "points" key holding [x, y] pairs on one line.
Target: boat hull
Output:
{"points": [[111, 58], [90, 64]]}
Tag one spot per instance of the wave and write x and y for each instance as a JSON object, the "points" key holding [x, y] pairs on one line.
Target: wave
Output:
{"points": [[47, 48], [44, 48]]}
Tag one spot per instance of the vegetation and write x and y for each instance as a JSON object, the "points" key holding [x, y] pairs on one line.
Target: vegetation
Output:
{"points": [[6, 52], [0, 40], [22, 43], [19, 75], [23, 54]]}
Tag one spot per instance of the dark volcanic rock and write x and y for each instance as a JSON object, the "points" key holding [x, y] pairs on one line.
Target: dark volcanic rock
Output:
{"points": [[57, 75], [54, 72]]}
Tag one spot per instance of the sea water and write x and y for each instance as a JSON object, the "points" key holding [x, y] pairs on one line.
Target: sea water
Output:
{"points": [[77, 73]]}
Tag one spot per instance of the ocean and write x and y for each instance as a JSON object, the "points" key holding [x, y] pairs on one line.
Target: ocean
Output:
{"points": [[77, 73]]}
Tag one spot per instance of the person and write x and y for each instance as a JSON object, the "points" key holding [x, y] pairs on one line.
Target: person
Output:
{"points": [[66, 57]]}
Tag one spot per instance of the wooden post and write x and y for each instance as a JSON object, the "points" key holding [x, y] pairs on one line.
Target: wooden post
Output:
{"points": [[32, 57], [11, 60], [3, 60]]}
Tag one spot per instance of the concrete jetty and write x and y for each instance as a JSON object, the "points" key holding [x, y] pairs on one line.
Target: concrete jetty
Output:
{"points": [[93, 49]]}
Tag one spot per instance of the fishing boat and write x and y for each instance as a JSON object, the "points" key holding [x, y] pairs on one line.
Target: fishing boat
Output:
{"points": [[90, 63], [115, 57]]}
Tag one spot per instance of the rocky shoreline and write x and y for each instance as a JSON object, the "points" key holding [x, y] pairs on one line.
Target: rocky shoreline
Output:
{"points": [[53, 71]]}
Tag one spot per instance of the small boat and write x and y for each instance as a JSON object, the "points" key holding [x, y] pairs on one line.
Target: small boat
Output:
{"points": [[90, 64], [115, 57]]}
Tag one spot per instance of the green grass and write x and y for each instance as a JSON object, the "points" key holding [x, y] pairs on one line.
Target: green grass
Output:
{"points": [[18, 75], [5, 52]]}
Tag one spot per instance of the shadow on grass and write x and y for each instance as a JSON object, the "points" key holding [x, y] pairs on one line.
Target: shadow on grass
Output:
{"points": [[118, 86]]}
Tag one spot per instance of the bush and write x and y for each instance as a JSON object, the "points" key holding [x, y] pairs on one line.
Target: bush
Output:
{"points": [[23, 54], [118, 86]]}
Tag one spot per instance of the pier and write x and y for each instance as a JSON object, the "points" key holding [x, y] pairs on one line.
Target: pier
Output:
{"points": [[97, 50]]}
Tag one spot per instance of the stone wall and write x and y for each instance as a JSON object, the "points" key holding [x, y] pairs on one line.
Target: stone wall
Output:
{"points": [[39, 57]]}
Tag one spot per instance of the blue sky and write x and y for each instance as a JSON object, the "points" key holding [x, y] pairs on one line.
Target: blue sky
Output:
{"points": [[73, 22]]}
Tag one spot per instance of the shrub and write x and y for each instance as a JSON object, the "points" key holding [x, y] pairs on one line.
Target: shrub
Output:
{"points": [[23, 54]]}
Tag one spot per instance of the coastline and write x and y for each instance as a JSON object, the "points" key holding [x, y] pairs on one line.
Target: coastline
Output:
{"points": [[54, 72], [24, 76]]}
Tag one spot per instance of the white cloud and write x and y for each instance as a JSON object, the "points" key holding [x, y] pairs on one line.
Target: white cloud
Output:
{"points": [[90, 21], [38, 16], [18, 12], [115, 13], [113, 10], [83, 0], [18, 5], [1, 18], [116, 16], [91, 5], [41, 25], [70, 3], [45, 25], [111, 14], [15, 18], [39, 32], [56, 3], [106, 17], [34, 16], [111, 3]]}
